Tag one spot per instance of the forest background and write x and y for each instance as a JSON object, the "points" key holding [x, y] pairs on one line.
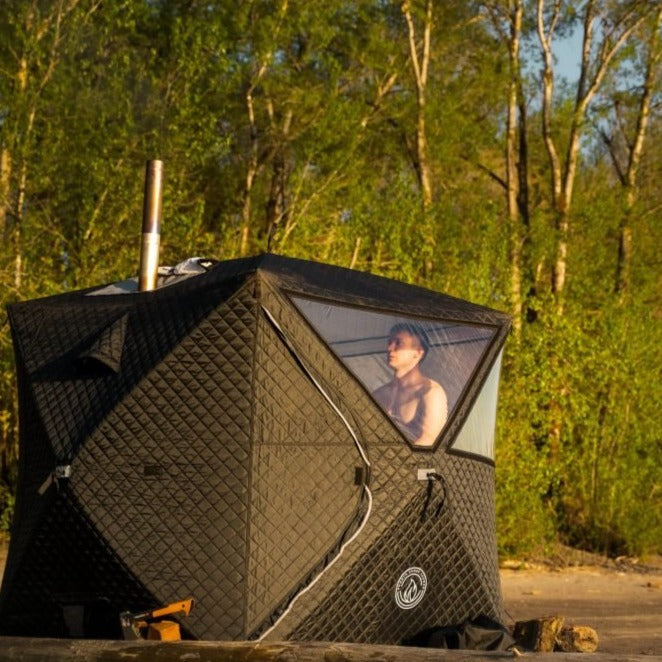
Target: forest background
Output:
{"points": [[432, 142]]}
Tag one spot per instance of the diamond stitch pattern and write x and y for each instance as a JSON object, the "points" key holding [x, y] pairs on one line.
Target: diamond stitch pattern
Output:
{"points": [[206, 462], [297, 436]]}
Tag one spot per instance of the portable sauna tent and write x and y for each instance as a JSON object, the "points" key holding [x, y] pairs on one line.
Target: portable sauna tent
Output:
{"points": [[219, 438]]}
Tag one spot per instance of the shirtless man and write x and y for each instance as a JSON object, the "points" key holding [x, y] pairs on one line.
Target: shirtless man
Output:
{"points": [[415, 402]]}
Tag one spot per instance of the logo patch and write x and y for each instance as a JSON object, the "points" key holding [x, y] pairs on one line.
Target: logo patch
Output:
{"points": [[411, 587]]}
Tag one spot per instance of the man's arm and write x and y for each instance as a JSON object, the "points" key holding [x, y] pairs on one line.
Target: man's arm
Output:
{"points": [[435, 413]]}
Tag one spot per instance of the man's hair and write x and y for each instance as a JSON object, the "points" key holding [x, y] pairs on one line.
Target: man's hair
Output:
{"points": [[413, 330]]}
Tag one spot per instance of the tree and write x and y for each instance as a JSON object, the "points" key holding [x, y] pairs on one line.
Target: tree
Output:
{"points": [[614, 27], [626, 144]]}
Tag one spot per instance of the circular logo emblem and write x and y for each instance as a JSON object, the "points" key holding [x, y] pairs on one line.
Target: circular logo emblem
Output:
{"points": [[410, 589]]}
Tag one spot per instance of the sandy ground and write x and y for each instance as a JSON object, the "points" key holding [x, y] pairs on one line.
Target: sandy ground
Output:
{"points": [[622, 602], [624, 605]]}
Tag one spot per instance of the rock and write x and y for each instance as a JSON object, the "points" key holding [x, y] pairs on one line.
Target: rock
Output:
{"points": [[577, 639]]}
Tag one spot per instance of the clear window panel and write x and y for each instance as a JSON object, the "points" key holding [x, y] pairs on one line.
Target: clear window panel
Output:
{"points": [[477, 434], [415, 369]]}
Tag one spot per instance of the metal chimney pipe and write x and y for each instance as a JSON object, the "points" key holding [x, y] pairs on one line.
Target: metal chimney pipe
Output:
{"points": [[151, 232]]}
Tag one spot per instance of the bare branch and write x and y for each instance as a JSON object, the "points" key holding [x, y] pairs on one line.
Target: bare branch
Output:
{"points": [[488, 171], [611, 148]]}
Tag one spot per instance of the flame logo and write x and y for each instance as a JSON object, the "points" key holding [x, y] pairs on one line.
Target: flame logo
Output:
{"points": [[410, 589]]}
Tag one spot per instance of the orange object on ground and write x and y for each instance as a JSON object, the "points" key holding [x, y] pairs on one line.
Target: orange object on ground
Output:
{"points": [[164, 631]]}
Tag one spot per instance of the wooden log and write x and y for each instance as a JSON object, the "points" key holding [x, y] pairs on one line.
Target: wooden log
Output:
{"points": [[538, 635], [23, 649], [20, 649]]}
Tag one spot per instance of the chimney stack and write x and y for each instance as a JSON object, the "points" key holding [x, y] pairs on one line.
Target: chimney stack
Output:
{"points": [[151, 231]]}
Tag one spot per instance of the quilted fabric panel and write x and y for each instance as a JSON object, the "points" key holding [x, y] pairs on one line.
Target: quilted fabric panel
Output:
{"points": [[303, 482], [47, 330], [460, 546], [73, 396], [36, 462], [370, 291], [475, 519], [363, 607], [393, 484], [69, 396], [69, 566], [165, 476], [352, 587]]}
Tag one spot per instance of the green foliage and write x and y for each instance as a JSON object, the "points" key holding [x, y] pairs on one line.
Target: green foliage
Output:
{"points": [[7, 503], [613, 503]]}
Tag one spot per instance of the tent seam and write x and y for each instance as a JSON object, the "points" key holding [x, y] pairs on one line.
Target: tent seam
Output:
{"points": [[366, 489], [251, 445]]}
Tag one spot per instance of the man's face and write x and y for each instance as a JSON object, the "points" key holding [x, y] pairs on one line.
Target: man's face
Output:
{"points": [[404, 351]]}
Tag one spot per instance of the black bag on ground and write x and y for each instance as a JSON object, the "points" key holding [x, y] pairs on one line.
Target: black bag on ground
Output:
{"points": [[480, 633]]}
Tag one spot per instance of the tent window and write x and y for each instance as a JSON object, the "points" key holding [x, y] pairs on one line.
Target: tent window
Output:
{"points": [[476, 436], [415, 369]]}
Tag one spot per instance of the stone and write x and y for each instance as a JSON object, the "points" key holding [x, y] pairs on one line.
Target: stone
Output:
{"points": [[577, 639]]}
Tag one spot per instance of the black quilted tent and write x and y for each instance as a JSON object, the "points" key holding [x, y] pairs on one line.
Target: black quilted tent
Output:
{"points": [[219, 437]]}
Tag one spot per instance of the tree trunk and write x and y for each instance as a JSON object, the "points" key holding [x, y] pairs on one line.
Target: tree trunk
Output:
{"points": [[622, 282], [254, 165], [276, 207], [251, 172], [420, 65], [513, 180], [5, 176], [595, 62]]}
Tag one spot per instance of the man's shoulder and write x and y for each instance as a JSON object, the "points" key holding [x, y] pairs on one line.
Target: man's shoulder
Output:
{"points": [[434, 387]]}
